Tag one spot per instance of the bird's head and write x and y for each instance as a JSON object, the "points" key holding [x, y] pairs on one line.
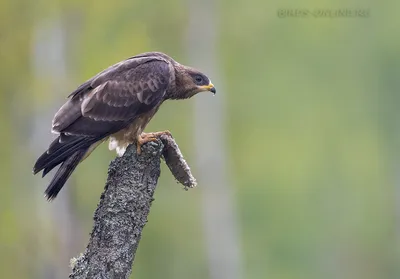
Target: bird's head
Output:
{"points": [[189, 82]]}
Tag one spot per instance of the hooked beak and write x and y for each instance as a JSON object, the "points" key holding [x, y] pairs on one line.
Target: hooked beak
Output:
{"points": [[209, 87]]}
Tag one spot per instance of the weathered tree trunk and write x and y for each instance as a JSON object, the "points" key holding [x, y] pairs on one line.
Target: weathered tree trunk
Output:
{"points": [[123, 209]]}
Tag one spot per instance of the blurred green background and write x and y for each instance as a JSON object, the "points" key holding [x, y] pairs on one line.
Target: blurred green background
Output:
{"points": [[306, 167]]}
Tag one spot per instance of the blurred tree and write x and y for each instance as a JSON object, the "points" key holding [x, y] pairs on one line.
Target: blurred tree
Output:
{"points": [[219, 218], [49, 63]]}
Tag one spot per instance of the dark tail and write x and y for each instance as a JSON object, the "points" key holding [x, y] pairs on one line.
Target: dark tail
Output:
{"points": [[67, 151], [63, 173]]}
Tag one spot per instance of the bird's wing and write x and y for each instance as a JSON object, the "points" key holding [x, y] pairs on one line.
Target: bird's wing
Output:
{"points": [[99, 107], [113, 98]]}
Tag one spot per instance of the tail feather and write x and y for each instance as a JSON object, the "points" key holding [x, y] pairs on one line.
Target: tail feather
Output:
{"points": [[63, 173], [58, 152], [67, 151]]}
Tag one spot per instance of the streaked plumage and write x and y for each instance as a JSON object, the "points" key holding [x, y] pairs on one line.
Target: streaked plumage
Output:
{"points": [[117, 104]]}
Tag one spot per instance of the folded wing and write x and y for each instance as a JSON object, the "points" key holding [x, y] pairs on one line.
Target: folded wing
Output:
{"points": [[100, 107]]}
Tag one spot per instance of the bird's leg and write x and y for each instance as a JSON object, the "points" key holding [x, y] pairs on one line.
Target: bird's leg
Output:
{"points": [[146, 137]]}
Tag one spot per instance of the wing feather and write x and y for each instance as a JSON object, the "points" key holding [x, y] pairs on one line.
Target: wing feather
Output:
{"points": [[114, 97], [101, 106]]}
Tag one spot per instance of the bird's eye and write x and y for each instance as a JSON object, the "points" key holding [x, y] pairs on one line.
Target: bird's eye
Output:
{"points": [[199, 79]]}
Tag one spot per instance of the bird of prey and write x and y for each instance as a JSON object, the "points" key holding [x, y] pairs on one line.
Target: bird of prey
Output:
{"points": [[115, 104]]}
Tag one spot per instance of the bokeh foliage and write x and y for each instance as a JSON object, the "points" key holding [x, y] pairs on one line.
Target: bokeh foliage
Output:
{"points": [[312, 125]]}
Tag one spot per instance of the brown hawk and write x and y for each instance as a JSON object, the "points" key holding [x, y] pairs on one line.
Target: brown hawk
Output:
{"points": [[115, 104]]}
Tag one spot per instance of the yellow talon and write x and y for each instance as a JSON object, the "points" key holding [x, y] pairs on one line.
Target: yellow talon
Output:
{"points": [[147, 137]]}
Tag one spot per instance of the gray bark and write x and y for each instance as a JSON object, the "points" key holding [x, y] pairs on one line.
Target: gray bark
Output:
{"points": [[123, 209]]}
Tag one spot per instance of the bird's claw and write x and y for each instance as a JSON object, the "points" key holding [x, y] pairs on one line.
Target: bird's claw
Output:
{"points": [[166, 132], [149, 137]]}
